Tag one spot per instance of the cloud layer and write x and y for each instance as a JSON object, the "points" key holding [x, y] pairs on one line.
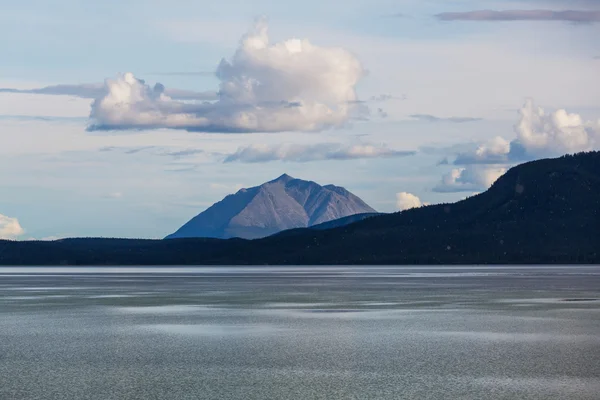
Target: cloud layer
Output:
{"points": [[522, 15], [10, 228], [313, 152], [406, 201], [94, 91], [433, 118], [288, 86]]}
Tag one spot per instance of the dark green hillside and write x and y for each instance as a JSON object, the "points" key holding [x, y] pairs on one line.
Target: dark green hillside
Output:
{"points": [[545, 211]]}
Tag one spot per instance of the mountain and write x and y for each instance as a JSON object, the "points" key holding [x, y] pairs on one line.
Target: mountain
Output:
{"points": [[336, 223], [281, 204], [541, 212]]}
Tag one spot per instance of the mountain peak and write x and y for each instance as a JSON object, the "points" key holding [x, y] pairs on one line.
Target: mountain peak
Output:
{"points": [[272, 207], [283, 178]]}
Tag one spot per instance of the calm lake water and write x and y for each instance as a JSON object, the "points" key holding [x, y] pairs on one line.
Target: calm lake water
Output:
{"points": [[300, 333]]}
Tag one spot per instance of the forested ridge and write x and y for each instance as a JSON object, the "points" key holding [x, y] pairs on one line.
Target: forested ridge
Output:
{"points": [[545, 211]]}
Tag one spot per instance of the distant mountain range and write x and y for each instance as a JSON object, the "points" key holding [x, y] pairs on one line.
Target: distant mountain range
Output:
{"points": [[281, 204], [541, 212]]}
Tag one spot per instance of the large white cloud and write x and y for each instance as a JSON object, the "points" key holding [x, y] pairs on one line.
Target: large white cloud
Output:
{"points": [[542, 133], [406, 201], [10, 228], [288, 86], [313, 152], [538, 134]]}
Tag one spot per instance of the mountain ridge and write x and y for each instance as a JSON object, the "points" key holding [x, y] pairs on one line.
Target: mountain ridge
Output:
{"points": [[540, 212], [277, 205]]}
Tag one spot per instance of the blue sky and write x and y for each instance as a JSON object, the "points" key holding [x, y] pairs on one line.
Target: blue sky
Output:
{"points": [[377, 79]]}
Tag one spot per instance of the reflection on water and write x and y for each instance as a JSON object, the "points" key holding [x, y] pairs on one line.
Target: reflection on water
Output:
{"points": [[300, 333], [166, 310], [210, 329]]}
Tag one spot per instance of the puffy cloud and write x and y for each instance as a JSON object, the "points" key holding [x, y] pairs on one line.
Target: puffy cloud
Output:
{"points": [[287, 86], [10, 228], [433, 118], [406, 201], [494, 151], [538, 134], [543, 134], [470, 179], [314, 152], [522, 15], [94, 91]]}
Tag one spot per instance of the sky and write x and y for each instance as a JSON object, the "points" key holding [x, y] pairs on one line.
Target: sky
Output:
{"points": [[127, 118]]}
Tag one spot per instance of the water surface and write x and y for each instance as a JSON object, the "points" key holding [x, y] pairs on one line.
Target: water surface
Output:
{"points": [[300, 333]]}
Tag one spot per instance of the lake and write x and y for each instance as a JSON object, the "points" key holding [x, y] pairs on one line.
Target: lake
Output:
{"points": [[300, 333]]}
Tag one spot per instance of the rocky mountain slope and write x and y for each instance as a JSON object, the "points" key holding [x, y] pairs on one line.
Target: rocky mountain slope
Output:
{"points": [[281, 204]]}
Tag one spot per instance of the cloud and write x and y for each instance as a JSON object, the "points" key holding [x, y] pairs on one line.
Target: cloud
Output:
{"points": [[10, 228], [184, 153], [288, 86], [443, 161], [494, 151], [433, 118], [176, 153], [86, 91], [542, 134], [136, 150], [114, 195], [397, 15], [470, 179], [382, 97], [539, 134], [94, 91], [583, 16], [180, 73], [386, 97], [44, 118], [406, 201], [447, 149], [180, 94], [126, 150], [315, 152]]}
